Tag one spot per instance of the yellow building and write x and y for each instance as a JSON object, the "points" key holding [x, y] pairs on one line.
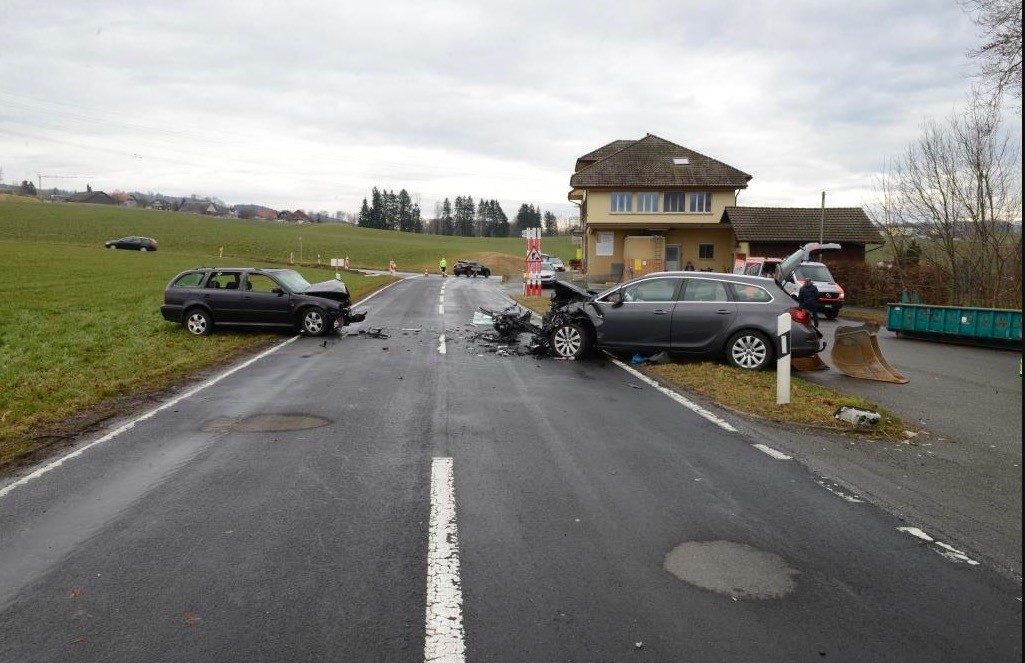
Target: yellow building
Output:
{"points": [[650, 205]]}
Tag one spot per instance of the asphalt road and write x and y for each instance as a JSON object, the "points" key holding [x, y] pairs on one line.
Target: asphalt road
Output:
{"points": [[428, 495]]}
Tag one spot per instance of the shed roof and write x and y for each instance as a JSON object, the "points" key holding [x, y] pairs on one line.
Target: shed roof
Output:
{"points": [[802, 224]]}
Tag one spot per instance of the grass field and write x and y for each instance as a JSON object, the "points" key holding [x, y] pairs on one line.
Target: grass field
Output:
{"points": [[80, 326]]}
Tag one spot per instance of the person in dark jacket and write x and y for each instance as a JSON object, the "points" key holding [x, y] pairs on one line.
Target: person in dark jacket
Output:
{"points": [[808, 299]]}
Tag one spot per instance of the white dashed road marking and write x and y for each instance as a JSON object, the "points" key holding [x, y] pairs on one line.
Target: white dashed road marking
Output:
{"points": [[778, 455], [951, 553], [444, 641], [441, 344]]}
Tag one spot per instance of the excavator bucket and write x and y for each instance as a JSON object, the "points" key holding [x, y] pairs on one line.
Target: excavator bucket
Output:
{"points": [[856, 353], [812, 363]]}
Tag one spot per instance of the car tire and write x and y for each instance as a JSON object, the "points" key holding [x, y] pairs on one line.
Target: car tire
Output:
{"points": [[314, 321], [111, 246], [486, 273], [570, 340], [749, 350], [198, 322], [143, 249], [832, 315]]}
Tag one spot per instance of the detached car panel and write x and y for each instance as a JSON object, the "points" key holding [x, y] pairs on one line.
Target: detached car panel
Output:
{"points": [[201, 298]]}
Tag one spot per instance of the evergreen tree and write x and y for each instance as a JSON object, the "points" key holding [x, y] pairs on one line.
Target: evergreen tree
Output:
{"points": [[551, 227], [446, 227], [365, 216], [376, 209]]}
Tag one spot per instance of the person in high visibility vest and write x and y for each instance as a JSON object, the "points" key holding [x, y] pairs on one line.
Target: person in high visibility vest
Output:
{"points": [[443, 265]]}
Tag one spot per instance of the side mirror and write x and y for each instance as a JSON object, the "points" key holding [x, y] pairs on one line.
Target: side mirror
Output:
{"points": [[278, 291], [616, 298]]}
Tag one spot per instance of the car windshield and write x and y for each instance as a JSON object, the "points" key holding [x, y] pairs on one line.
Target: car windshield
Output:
{"points": [[292, 280], [814, 273]]}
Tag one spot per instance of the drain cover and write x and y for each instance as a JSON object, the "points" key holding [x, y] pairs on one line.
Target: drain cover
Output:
{"points": [[730, 568], [266, 423]]}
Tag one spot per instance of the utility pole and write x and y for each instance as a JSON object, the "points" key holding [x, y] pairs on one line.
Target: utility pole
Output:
{"points": [[822, 220]]}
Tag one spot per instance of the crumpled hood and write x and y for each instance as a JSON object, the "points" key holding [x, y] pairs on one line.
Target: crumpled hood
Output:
{"points": [[333, 289], [566, 292]]}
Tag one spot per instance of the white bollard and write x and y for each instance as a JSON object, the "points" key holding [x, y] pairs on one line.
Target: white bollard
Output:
{"points": [[783, 327]]}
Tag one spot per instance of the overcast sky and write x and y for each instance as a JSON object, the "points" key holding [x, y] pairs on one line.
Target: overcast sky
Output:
{"points": [[308, 104]]}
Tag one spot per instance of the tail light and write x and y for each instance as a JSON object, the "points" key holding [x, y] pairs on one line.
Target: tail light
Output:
{"points": [[799, 315], [838, 287]]}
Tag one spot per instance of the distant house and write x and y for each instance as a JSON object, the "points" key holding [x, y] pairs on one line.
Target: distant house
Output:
{"points": [[297, 216], [204, 207], [159, 204], [91, 197]]}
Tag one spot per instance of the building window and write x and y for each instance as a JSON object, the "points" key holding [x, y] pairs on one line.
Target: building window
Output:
{"points": [[706, 251], [701, 202], [622, 202], [647, 202], [675, 201]]}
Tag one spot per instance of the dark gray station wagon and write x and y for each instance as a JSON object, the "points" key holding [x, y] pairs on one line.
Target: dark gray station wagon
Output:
{"points": [[203, 297]]}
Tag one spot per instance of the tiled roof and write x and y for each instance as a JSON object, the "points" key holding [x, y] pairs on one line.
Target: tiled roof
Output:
{"points": [[801, 224], [649, 162], [604, 151]]}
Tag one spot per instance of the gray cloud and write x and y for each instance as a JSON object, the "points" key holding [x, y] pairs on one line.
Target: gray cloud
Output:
{"points": [[309, 104]]}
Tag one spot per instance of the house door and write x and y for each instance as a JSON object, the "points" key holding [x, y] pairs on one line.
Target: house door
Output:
{"points": [[672, 257]]}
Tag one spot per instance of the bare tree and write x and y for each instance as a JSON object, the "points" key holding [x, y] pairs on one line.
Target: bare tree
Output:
{"points": [[960, 186], [1000, 53]]}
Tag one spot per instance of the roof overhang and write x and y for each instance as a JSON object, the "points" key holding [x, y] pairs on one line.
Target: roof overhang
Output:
{"points": [[576, 194], [614, 225]]}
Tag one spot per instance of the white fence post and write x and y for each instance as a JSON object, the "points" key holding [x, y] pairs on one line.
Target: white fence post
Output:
{"points": [[783, 326]]}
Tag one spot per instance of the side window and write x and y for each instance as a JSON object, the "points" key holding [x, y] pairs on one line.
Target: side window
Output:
{"points": [[752, 269], [261, 283], [651, 290], [190, 280], [622, 202], [225, 280], [749, 293], [704, 290]]}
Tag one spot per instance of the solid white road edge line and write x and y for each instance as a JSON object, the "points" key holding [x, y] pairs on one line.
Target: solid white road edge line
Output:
{"points": [[951, 553], [444, 640], [131, 424], [441, 344], [718, 421], [174, 401], [778, 455]]}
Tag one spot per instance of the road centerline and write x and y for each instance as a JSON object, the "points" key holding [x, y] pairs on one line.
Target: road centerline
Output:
{"points": [[444, 641]]}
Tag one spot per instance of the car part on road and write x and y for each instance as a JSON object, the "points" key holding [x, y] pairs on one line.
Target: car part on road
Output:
{"points": [[856, 353], [857, 416]]}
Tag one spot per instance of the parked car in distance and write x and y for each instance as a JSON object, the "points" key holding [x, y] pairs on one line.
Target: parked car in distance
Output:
{"points": [[556, 262], [203, 297], [692, 313], [133, 243], [831, 294], [470, 268], [547, 274]]}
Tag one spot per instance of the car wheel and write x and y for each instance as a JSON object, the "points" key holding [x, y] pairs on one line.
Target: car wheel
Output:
{"points": [[314, 321], [832, 315], [570, 340], [198, 322], [111, 246], [486, 273], [749, 350], [143, 248]]}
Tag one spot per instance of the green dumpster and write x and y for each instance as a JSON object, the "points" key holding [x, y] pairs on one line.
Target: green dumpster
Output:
{"points": [[991, 327]]}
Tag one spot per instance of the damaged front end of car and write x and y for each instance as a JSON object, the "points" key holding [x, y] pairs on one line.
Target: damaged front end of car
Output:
{"points": [[336, 291], [565, 330]]}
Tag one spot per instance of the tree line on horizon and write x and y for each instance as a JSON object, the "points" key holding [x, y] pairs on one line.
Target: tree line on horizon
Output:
{"points": [[387, 210]]}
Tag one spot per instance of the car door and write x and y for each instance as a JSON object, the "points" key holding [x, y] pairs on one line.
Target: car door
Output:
{"points": [[223, 295], [265, 301], [642, 320], [703, 316]]}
